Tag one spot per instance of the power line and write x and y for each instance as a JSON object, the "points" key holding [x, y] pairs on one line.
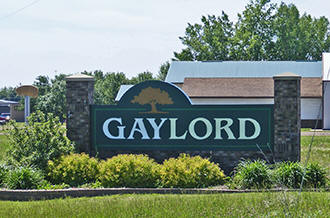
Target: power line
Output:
{"points": [[19, 10]]}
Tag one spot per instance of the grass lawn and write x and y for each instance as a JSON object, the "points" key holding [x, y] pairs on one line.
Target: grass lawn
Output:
{"points": [[215, 205], [320, 150]]}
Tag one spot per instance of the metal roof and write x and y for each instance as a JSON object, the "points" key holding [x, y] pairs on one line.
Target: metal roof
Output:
{"points": [[6, 102], [240, 69]]}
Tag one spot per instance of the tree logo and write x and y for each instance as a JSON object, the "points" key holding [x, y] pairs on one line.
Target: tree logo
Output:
{"points": [[152, 96]]}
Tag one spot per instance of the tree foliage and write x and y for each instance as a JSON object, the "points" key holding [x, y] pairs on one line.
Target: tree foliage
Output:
{"points": [[37, 142], [210, 40], [107, 85], [8, 93], [263, 31], [51, 97], [163, 71]]}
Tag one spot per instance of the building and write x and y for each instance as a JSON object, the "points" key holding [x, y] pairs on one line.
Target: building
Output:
{"points": [[9, 107], [6, 106], [251, 82]]}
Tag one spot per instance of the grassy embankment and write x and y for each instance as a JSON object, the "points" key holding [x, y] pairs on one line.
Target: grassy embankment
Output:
{"points": [[320, 150], [217, 205]]}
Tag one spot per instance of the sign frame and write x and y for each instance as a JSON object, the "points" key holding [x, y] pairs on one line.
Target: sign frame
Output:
{"points": [[182, 103]]}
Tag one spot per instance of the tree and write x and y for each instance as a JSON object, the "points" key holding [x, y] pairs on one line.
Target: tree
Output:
{"points": [[253, 38], [9, 93], [163, 70], [141, 77], [107, 86], [43, 84], [35, 143], [210, 40], [54, 100], [152, 96], [263, 31], [299, 37]]}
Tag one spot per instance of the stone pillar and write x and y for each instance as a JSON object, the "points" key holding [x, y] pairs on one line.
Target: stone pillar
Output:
{"points": [[287, 117], [79, 95]]}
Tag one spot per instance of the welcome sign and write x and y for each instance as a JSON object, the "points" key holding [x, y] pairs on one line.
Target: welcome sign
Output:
{"points": [[159, 116]]}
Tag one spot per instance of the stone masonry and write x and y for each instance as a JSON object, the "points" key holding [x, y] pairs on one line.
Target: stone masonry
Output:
{"points": [[287, 117], [79, 95]]}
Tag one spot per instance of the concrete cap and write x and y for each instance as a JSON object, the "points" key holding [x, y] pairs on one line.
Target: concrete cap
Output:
{"points": [[287, 76], [79, 77]]}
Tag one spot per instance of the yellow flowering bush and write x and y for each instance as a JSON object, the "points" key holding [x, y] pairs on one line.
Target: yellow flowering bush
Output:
{"points": [[129, 171], [73, 169], [190, 172]]}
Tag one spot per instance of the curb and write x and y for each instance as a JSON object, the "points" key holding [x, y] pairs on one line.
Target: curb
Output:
{"points": [[31, 195]]}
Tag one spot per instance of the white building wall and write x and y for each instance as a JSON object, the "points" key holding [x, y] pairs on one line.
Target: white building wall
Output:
{"points": [[311, 108], [326, 90], [326, 66], [326, 106]]}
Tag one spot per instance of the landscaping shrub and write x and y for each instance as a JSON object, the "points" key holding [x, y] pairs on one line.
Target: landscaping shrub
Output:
{"points": [[23, 178], [46, 185], [316, 176], [129, 171], [3, 173], [37, 142], [253, 174], [190, 172], [73, 169], [289, 174], [96, 184]]}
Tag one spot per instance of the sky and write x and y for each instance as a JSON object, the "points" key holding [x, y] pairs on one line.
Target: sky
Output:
{"points": [[47, 37]]}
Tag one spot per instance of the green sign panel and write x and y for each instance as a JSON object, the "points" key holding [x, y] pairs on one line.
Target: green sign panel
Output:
{"points": [[159, 116]]}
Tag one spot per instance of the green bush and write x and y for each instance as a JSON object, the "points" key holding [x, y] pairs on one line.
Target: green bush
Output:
{"points": [[23, 178], [190, 172], [41, 140], [129, 171], [96, 184], [316, 176], [3, 173], [73, 169], [289, 174], [47, 186], [253, 174]]}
